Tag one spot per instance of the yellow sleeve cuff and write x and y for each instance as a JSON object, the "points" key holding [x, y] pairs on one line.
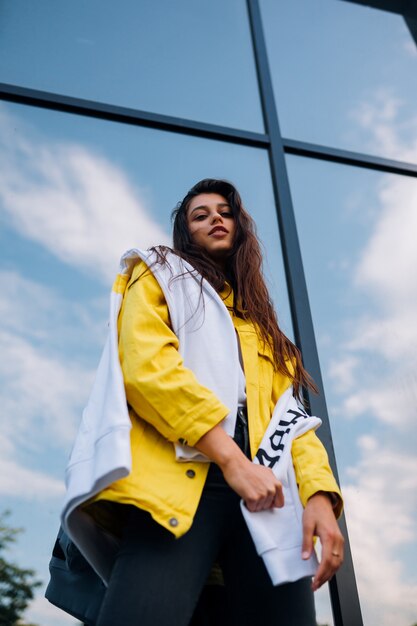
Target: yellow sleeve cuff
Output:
{"points": [[312, 470]]}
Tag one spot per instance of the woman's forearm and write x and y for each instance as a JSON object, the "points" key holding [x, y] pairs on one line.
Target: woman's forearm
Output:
{"points": [[220, 448]]}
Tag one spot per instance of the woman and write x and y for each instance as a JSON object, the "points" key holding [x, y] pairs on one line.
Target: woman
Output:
{"points": [[201, 387]]}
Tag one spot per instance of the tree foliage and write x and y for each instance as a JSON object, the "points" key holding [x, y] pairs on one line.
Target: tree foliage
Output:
{"points": [[17, 585]]}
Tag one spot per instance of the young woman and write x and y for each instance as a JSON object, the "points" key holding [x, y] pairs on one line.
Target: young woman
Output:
{"points": [[204, 363]]}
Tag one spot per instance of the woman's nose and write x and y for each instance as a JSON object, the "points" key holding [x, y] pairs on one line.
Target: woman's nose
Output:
{"points": [[216, 218]]}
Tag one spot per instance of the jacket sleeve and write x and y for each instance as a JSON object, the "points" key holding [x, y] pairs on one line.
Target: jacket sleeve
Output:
{"points": [[312, 470], [159, 388]]}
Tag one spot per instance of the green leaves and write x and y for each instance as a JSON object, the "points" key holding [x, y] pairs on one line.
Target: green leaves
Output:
{"points": [[17, 585]]}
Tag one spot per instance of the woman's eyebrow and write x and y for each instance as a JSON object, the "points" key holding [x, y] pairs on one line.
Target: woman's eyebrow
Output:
{"points": [[202, 206]]}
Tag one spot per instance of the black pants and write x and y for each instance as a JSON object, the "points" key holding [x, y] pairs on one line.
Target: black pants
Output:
{"points": [[157, 579]]}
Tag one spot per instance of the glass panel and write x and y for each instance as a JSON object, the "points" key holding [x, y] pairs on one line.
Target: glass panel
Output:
{"points": [[343, 75], [357, 234], [74, 194], [186, 58]]}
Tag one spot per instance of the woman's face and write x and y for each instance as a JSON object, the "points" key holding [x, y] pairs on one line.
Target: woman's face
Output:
{"points": [[211, 224]]}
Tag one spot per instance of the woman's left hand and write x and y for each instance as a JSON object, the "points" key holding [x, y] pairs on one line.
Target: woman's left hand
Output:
{"points": [[319, 520]]}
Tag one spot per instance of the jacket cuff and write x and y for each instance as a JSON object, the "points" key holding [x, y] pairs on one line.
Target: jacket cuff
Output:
{"points": [[197, 423], [330, 487]]}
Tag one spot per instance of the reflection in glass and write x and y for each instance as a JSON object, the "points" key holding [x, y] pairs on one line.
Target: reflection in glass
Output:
{"points": [[75, 193], [357, 234], [184, 58], [343, 75]]}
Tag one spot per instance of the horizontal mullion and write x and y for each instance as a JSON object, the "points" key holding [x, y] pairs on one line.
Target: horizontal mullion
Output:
{"points": [[90, 108], [79, 106], [347, 157]]}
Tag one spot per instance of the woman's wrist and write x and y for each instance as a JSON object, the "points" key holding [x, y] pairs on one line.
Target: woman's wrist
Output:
{"points": [[232, 460], [220, 448], [329, 495]]}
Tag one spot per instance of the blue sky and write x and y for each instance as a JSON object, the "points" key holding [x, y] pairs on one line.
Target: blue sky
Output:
{"points": [[155, 56], [76, 192]]}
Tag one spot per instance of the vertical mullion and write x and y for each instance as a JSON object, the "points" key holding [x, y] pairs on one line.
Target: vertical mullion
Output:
{"points": [[343, 590], [411, 22]]}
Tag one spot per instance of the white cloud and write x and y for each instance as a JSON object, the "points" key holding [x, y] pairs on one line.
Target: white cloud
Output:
{"points": [[389, 262], [387, 336], [42, 389], [41, 400], [342, 372], [375, 117], [75, 203], [386, 403], [39, 394], [36, 312], [385, 125], [20, 482], [375, 370], [381, 106], [381, 507]]}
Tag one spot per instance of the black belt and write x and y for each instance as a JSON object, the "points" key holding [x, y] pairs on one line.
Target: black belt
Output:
{"points": [[241, 436]]}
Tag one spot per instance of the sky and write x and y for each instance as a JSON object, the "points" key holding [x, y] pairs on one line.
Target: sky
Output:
{"points": [[75, 193]]}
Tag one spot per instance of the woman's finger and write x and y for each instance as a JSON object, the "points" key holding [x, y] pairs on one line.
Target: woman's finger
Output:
{"points": [[279, 497], [331, 560]]}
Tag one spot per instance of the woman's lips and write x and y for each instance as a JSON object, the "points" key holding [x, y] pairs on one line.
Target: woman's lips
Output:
{"points": [[218, 232]]}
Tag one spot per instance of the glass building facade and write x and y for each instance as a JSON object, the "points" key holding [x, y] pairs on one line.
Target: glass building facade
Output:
{"points": [[109, 113]]}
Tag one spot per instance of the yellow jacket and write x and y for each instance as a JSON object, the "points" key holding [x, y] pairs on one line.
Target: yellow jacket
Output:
{"points": [[168, 404]]}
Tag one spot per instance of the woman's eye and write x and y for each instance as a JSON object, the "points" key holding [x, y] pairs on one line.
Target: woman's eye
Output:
{"points": [[227, 214], [199, 218]]}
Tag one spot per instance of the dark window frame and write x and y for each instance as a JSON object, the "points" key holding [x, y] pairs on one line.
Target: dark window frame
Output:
{"points": [[343, 590]]}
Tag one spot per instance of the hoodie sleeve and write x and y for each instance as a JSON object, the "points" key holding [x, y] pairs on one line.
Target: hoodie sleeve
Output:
{"points": [[159, 388], [310, 460]]}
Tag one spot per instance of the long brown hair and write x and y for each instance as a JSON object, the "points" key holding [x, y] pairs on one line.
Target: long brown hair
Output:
{"points": [[244, 273]]}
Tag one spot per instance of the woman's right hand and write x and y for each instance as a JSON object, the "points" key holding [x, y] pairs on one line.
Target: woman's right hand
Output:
{"points": [[255, 484]]}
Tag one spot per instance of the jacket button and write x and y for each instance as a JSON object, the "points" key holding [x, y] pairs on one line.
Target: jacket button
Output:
{"points": [[190, 473], [173, 521]]}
